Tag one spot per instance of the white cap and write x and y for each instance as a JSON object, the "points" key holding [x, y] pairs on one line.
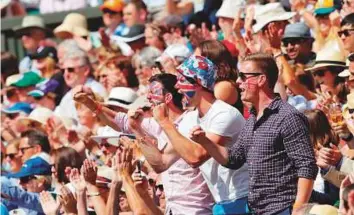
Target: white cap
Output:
{"points": [[229, 8], [121, 97], [175, 51]]}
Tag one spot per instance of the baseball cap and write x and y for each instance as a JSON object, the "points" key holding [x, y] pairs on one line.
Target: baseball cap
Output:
{"points": [[200, 69], [175, 51], [121, 97], [44, 52], [113, 5], [43, 88], [27, 79], [18, 107], [132, 34], [34, 166], [324, 7], [297, 30]]}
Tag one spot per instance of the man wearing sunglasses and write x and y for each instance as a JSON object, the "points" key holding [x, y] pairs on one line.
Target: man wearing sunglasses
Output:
{"points": [[346, 34], [113, 17], [33, 144]]}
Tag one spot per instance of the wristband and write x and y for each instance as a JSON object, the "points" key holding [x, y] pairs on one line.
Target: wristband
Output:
{"points": [[93, 194]]}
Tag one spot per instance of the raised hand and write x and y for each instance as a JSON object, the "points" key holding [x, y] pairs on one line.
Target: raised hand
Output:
{"points": [[135, 118], [89, 172], [140, 182], [84, 95], [197, 134], [49, 205], [77, 180], [274, 35], [125, 157], [328, 156], [116, 177], [160, 113], [67, 200]]}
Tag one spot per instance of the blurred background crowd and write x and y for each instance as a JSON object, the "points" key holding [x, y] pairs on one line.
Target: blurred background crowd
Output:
{"points": [[69, 107]]}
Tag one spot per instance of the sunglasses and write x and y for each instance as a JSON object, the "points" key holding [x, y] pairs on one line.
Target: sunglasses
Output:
{"points": [[292, 42], [12, 116], [71, 69], [110, 12], [345, 32], [101, 76], [351, 110], [346, 2], [245, 76], [26, 179], [11, 155], [319, 73], [24, 149], [159, 187]]}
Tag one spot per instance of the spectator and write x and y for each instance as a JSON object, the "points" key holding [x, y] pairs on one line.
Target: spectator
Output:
{"points": [[121, 99], [113, 17], [74, 24], [37, 119], [346, 33], [11, 156], [154, 36], [135, 13], [34, 144], [32, 33], [45, 60], [44, 94]]}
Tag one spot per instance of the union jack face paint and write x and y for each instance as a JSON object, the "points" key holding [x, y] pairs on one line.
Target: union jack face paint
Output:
{"points": [[155, 94], [186, 88]]}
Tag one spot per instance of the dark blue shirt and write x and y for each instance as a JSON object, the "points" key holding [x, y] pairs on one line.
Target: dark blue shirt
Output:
{"points": [[278, 151]]}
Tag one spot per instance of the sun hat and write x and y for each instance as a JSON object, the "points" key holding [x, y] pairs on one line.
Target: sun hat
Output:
{"points": [[34, 166], [297, 30], [44, 52], [268, 13], [18, 107], [44, 88], [346, 73], [39, 115], [27, 79], [329, 55], [113, 5], [121, 97], [131, 34], [176, 51], [109, 134], [229, 8], [324, 7], [75, 24], [140, 102], [200, 69], [30, 22]]}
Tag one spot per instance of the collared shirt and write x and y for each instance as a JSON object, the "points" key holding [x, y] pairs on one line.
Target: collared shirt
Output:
{"points": [[278, 151], [185, 189]]}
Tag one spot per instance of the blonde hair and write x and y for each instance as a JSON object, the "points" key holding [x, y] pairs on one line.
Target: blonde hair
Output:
{"points": [[49, 70]]}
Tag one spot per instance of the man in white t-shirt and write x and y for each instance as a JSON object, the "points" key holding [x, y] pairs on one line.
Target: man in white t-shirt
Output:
{"points": [[222, 124]]}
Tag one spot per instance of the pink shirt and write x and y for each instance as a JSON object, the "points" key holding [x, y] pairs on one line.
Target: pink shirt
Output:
{"points": [[186, 190]]}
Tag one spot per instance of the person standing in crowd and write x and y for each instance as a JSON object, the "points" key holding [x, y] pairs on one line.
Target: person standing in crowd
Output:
{"points": [[222, 122], [113, 17], [32, 33], [274, 142], [77, 71]]}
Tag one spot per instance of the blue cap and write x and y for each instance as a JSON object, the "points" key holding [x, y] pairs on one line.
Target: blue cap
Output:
{"points": [[44, 87], [18, 107], [34, 166]]}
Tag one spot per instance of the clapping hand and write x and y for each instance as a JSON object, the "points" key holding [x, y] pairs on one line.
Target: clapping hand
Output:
{"points": [[197, 134], [84, 95], [77, 180], [49, 205], [328, 156], [140, 182], [124, 158], [89, 172], [67, 200]]}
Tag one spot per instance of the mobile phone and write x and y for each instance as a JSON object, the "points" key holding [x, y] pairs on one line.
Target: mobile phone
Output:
{"points": [[139, 164]]}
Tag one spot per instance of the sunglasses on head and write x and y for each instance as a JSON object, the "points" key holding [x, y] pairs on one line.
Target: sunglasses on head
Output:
{"points": [[345, 32], [11, 155], [244, 76], [319, 73]]}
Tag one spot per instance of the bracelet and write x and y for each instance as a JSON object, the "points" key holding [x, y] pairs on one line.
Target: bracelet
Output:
{"points": [[93, 194], [98, 108]]}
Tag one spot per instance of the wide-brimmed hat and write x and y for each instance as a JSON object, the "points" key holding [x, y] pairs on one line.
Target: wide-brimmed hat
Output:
{"points": [[297, 30], [30, 22], [268, 13], [121, 97], [40, 115], [110, 135], [329, 55], [348, 105], [229, 8], [347, 73], [316, 209], [75, 24], [113, 5]]}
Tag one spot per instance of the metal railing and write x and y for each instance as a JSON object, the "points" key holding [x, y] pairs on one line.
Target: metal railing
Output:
{"points": [[12, 44]]}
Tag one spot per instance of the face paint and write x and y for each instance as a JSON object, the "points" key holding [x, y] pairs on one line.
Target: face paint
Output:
{"points": [[156, 95], [187, 89]]}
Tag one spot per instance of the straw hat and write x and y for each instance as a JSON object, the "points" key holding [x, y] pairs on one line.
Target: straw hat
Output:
{"points": [[330, 55], [30, 22], [346, 73], [229, 8], [74, 23], [121, 97], [270, 13], [40, 115]]}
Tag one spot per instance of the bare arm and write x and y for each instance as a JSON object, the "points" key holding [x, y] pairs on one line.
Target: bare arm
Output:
{"points": [[182, 8], [81, 203], [304, 190], [112, 207]]}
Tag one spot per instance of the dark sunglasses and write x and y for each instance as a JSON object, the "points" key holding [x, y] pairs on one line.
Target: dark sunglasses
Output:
{"points": [[346, 2], [24, 149], [292, 42], [101, 76], [245, 76], [319, 73], [110, 12], [26, 179], [345, 32], [11, 155], [12, 116], [69, 69], [351, 110], [159, 187]]}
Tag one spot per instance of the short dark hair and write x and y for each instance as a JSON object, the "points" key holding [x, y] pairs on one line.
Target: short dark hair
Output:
{"points": [[267, 65], [66, 157], [139, 4], [348, 20], [168, 82], [36, 137]]}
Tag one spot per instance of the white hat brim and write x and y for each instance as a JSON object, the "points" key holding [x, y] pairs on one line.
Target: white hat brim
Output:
{"points": [[282, 17], [117, 104], [344, 73], [99, 139], [321, 65], [78, 31]]}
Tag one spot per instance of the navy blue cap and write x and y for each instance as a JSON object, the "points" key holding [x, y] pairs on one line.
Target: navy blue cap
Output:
{"points": [[18, 107], [34, 166]]}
